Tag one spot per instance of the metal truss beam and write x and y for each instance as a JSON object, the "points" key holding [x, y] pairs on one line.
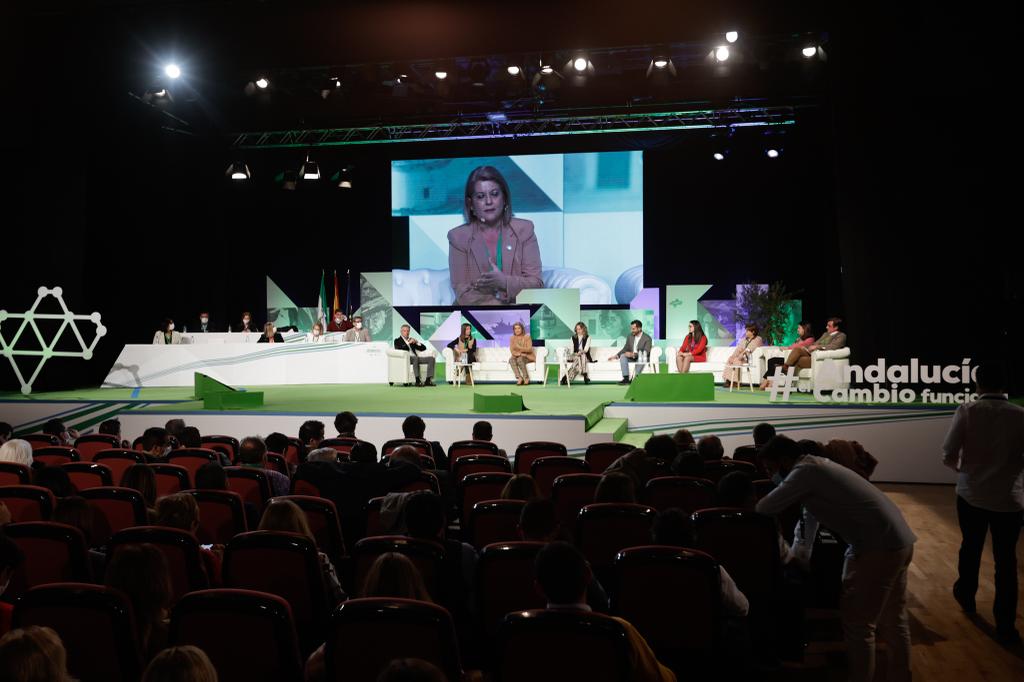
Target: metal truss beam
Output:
{"points": [[520, 126]]}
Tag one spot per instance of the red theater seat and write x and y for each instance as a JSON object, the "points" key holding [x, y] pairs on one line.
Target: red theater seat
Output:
{"points": [[603, 530], [89, 446], [114, 509], [86, 475], [506, 582], [28, 502], [252, 485], [221, 515], [224, 444], [179, 547], [170, 479], [716, 468], [682, 492], [546, 469], [493, 521], [55, 455], [12, 473], [466, 448], [325, 523], [476, 464], [54, 553], [526, 453], [600, 455], [364, 635], [427, 556], [570, 493], [118, 461], [479, 487]]}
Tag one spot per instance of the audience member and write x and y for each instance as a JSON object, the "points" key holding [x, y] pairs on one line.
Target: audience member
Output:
{"points": [[562, 575], [520, 487], [141, 572], [180, 664], [415, 427], [710, 448], [16, 450], [33, 654], [615, 487], [252, 454]]}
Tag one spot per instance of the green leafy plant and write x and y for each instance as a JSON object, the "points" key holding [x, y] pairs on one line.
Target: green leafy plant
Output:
{"points": [[770, 307]]}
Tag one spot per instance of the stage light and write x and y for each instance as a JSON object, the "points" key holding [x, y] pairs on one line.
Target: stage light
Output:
{"points": [[772, 153], [721, 53], [440, 75], [310, 170], [343, 178], [262, 83], [809, 51], [513, 70], [580, 64], [732, 36], [660, 63], [546, 70], [718, 156], [238, 171], [172, 71]]}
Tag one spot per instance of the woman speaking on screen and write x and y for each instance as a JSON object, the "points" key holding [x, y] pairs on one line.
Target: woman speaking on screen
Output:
{"points": [[492, 256]]}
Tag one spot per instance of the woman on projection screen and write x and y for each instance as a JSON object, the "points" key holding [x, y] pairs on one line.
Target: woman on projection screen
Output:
{"points": [[492, 256]]}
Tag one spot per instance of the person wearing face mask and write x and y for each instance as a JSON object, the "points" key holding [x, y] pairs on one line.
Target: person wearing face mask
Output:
{"points": [[358, 332], [492, 256], [317, 334], [205, 325], [339, 323], [270, 334], [166, 334], [247, 323], [881, 546]]}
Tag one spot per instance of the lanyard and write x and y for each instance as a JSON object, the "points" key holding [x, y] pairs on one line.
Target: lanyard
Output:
{"points": [[497, 259]]}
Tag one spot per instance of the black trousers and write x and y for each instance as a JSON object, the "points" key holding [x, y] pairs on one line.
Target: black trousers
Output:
{"points": [[974, 525]]}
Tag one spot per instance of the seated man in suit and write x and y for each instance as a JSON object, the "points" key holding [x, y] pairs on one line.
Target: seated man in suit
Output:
{"points": [[205, 325], [358, 332], [832, 339], [637, 343], [406, 342]]}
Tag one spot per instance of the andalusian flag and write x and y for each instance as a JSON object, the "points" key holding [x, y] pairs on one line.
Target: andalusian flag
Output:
{"points": [[337, 299], [321, 303]]}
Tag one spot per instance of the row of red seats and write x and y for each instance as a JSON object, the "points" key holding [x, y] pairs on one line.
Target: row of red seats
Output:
{"points": [[672, 595]]}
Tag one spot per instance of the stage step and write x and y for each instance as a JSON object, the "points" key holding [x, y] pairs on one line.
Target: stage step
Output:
{"points": [[614, 426]]}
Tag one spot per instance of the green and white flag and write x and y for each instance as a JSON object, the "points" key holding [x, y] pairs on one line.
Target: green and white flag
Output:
{"points": [[321, 304]]}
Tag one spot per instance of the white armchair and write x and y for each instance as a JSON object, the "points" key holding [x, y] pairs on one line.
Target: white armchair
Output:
{"points": [[828, 371], [717, 356], [400, 370], [492, 365]]}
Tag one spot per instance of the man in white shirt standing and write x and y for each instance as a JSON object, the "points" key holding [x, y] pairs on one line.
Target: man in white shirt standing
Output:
{"points": [[985, 446], [881, 546]]}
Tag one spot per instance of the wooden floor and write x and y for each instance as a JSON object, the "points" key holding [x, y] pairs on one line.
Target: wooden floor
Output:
{"points": [[948, 644]]}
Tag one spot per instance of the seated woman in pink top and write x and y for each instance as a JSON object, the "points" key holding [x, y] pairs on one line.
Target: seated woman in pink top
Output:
{"points": [[492, 256], [741, 356], [804, 338]]}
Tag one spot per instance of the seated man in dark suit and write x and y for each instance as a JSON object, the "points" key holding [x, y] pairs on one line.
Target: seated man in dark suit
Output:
{"points": [[407, 343], [832, 339]]}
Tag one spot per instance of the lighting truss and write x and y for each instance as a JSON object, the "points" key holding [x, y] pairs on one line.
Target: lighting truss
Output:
{"points": [[526, 125]]}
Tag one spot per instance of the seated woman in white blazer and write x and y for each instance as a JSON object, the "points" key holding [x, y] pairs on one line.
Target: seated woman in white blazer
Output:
{"points": [[166, 334]]}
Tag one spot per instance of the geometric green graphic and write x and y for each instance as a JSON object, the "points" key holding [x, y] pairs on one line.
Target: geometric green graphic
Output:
{"points": [[558, 314], [284, 313], [46, 351], [680, 307], [614, 324], [375, 305]]}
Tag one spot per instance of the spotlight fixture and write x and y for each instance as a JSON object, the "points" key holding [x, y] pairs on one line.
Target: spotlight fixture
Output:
{"points": [[661, 66], [718, 156], [580, 64], [513, 70], [546, 70], [732, 36], [440, 75], [238, 170], [772, 153], [310, 170], [172, 71], [721, 53], [809, 51], [343, 178], [262, 83]]}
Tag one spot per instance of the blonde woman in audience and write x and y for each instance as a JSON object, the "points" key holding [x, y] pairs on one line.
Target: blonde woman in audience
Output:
{"points": [[180, 664], [16, 450], [33, 654], [286, 516], [395, 575]]}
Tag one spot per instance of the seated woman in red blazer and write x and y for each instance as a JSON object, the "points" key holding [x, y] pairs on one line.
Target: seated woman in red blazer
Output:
{"points": [[694, 348]]}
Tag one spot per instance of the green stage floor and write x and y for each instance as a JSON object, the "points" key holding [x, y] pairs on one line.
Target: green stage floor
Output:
{"points": [[551, 399]]}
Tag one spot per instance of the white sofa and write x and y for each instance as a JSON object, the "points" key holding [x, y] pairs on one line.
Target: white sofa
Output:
{"points": [[602, 349], [717, 357], [434, 287], [828, 371], [492, 365]]}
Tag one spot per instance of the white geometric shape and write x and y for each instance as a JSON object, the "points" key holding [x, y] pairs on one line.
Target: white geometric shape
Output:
{"points": [[28, 318]]}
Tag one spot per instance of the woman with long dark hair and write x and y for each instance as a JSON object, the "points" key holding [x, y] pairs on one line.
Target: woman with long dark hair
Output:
{"points": [[694, 348]]}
